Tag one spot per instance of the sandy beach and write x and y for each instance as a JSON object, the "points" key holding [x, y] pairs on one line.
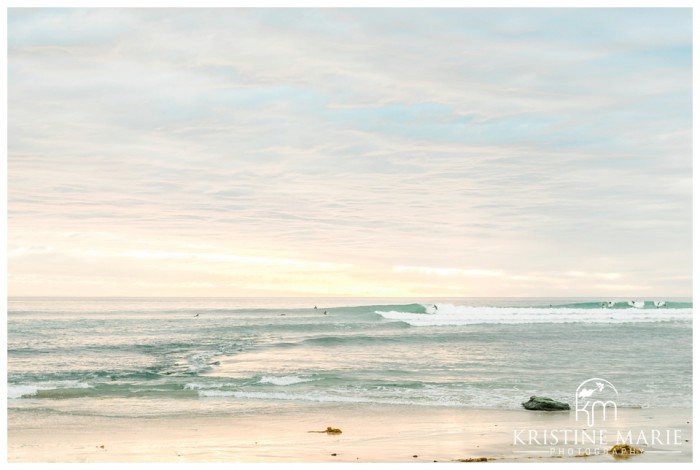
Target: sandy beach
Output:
{"points": [[369, 434]]}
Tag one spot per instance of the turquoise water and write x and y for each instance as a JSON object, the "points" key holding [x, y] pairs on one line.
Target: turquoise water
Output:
{"points": [[164, 357]]}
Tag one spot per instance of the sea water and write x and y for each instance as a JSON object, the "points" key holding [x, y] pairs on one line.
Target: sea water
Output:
{"points": [[172, 357]]}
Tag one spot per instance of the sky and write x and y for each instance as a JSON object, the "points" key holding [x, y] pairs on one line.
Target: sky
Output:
{"points": [[350, 152]]}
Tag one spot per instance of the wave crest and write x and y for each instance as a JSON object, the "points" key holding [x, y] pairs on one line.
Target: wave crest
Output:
{"points": [[284, 380], [455, 315]]}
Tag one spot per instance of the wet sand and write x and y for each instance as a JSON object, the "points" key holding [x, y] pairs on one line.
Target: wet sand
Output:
{"points": [[370, 433]]}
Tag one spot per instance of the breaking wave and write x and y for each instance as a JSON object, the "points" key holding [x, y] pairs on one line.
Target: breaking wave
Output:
{"points": [[450, 314]]}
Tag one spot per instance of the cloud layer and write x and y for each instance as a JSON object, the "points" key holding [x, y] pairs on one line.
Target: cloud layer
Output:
{"points": [[349, 152]]}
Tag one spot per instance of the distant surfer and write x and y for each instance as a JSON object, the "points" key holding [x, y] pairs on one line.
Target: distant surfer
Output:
{"points": [[325, 312], [196, 315], [435, 307], [315, 307]]}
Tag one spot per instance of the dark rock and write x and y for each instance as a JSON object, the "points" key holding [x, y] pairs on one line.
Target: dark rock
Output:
{"points": [[545, 404]]}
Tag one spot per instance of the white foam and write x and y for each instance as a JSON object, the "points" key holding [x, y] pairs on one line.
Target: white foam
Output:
{"points": [[283, 380], [196, 386], [28, 390], [215, 393], [453, 315], [200, 362], [19, 391]]}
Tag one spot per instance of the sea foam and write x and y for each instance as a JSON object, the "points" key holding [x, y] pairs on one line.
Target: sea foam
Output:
{"points": [[455, 315], [29, 390], [283, 380]]}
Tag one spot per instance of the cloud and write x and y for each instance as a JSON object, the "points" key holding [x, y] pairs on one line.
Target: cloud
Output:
{"points": [[448, 271], [236, 259], [522, 141], [63, 27]]}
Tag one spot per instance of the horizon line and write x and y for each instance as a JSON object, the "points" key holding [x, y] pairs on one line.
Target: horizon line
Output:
{"points": [[337, 297]]}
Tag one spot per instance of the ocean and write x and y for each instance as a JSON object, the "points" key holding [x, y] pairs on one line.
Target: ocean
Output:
{"points": [[126, 357]]}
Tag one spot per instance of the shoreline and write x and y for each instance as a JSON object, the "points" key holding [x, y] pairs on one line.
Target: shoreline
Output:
{"points": [[370, 433]]}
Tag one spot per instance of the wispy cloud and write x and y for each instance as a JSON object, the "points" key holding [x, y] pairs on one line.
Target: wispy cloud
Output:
{"points": [[527, 143], [448, 271]]}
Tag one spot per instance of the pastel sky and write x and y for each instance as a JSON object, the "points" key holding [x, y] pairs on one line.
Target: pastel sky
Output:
{"points": [[350, 152]]}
